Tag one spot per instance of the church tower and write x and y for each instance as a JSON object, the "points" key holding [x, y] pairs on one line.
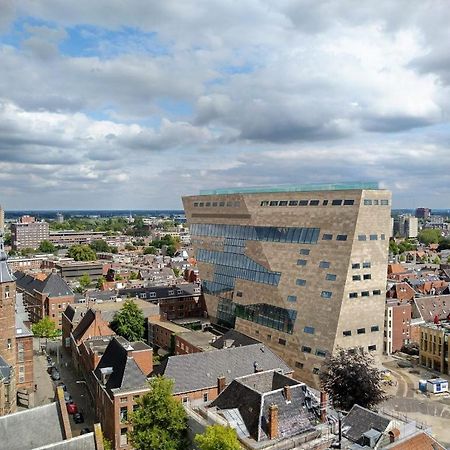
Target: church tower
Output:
{"points": [[7, 335]]}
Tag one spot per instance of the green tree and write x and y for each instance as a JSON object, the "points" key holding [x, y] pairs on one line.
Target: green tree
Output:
{"points": [[133, 276], [129, 321], [429, 236], [218, 437], [150, 251], [393, 247], [27, 251], [100, 282], [85, 281], [130, 247], [46, 247], [437, 260], [7, 238], [349, 377], [99, 245], [82, 253], [45, 328], [159, 422]]}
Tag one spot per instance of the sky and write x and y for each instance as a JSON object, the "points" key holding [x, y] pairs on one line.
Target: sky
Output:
{"points": [[128, 104]]}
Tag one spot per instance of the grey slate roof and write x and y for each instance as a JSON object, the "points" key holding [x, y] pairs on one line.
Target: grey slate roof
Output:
{"points": [[24, 430], [21, 329], [83, 442], [235, 338], [253, 395], [54, 285], [5, 369], [126, 374], [359, 420], [197, 371]]}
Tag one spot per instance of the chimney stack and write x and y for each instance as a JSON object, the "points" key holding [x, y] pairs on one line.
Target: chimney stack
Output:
{"points": [[323, 406], [287, 393], [220, 384], [273, 421]]}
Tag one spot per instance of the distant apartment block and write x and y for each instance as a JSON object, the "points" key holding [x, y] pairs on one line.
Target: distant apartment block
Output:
{"points": [[28, 233], [300, 268], [423, 213], [406, 226], [68, 238]]}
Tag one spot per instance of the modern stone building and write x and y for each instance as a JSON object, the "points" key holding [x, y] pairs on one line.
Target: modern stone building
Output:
{"points": [[300, 268]]}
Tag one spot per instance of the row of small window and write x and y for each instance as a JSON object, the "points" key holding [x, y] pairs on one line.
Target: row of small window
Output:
{"points": [[372, 237], [364, 265], [322, 264], [329, 237], [373, 329], [328, 277], [375, 202], [323, 294], [307, 202], [217, 204], [318, 352], [366, 276], [364, 293]]}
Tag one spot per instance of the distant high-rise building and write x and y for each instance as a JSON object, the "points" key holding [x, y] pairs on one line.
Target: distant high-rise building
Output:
{"points": [[423, 213], [303, 268], [28, 233], [59, 218], [2, 220], [406, 226]]}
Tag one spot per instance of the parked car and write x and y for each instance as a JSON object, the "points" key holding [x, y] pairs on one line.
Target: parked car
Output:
{"points": [[55, 374], [85, 431], [72, 408], [50, 367], [61, 384], [78, 417], [67, 397]]}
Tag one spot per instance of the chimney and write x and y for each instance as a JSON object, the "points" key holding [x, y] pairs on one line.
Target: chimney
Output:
{"points": [[394, 435], [220, 384], [273, 421], [256, 368], [287, 393], [323, 406]]}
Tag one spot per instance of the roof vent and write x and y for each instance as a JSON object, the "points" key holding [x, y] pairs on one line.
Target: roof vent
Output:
{"points": [[106, 373]]}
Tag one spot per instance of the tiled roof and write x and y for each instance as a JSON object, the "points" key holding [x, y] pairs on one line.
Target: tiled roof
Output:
{"points": [[53, 285], [197, 371], [431, 306], [100, 326], [235, 338], [126, 374], [420, 441], [359, 420]]}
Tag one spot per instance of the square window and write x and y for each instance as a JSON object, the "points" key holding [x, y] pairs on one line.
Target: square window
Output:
{"points": [[367, 202], [353, 295], [222, 204], [238, 294], [356, 266], [264, 203], [301, 262], [373, 237], [314, 203], [207, 204], [300, 282], [324, 264], [306, 349], [214, 204], [292, 298], [375, 202], [330, 277], [374, 328], [361, 330], [326, 294], [366, 265], [321, 353], [384, 202], [316, 371], [383, 237], [303, 203], [195, 204], [347, 333], [365, 293], [367, 276], [293, 202], [282, 341], [299, 365], [361, 237], [273, 203], [356, 277], [341, 237], [283, 203], [336, 203], [377, 292], [372, 348], [327, 237], [304, 251], [309, 330], [349, 202]]}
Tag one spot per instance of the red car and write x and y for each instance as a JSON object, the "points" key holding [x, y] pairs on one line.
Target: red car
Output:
{"points": [[72, 408]]}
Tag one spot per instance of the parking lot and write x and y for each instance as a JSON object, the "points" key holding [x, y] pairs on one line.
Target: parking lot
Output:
{"points": [[75, 387], [433, 410]]}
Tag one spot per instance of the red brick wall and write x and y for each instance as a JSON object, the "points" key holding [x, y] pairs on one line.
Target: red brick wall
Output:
{"points": [[26, 363], [182, 347], [144, 359], [401, 318], [55, 306]]}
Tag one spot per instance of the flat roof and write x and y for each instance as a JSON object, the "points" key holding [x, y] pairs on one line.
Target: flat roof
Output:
{"points": [[346, 186]]}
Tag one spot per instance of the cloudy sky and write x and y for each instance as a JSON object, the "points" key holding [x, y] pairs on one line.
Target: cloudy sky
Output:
{"points": [[126, 104]]}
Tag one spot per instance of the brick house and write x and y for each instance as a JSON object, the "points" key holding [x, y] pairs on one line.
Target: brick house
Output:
{"points": [[397, 328], [44, 296], [120, 379], [24, 349]]}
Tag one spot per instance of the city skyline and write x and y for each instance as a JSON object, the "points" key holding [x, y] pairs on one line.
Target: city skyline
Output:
{"points": [[131, 105]]}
